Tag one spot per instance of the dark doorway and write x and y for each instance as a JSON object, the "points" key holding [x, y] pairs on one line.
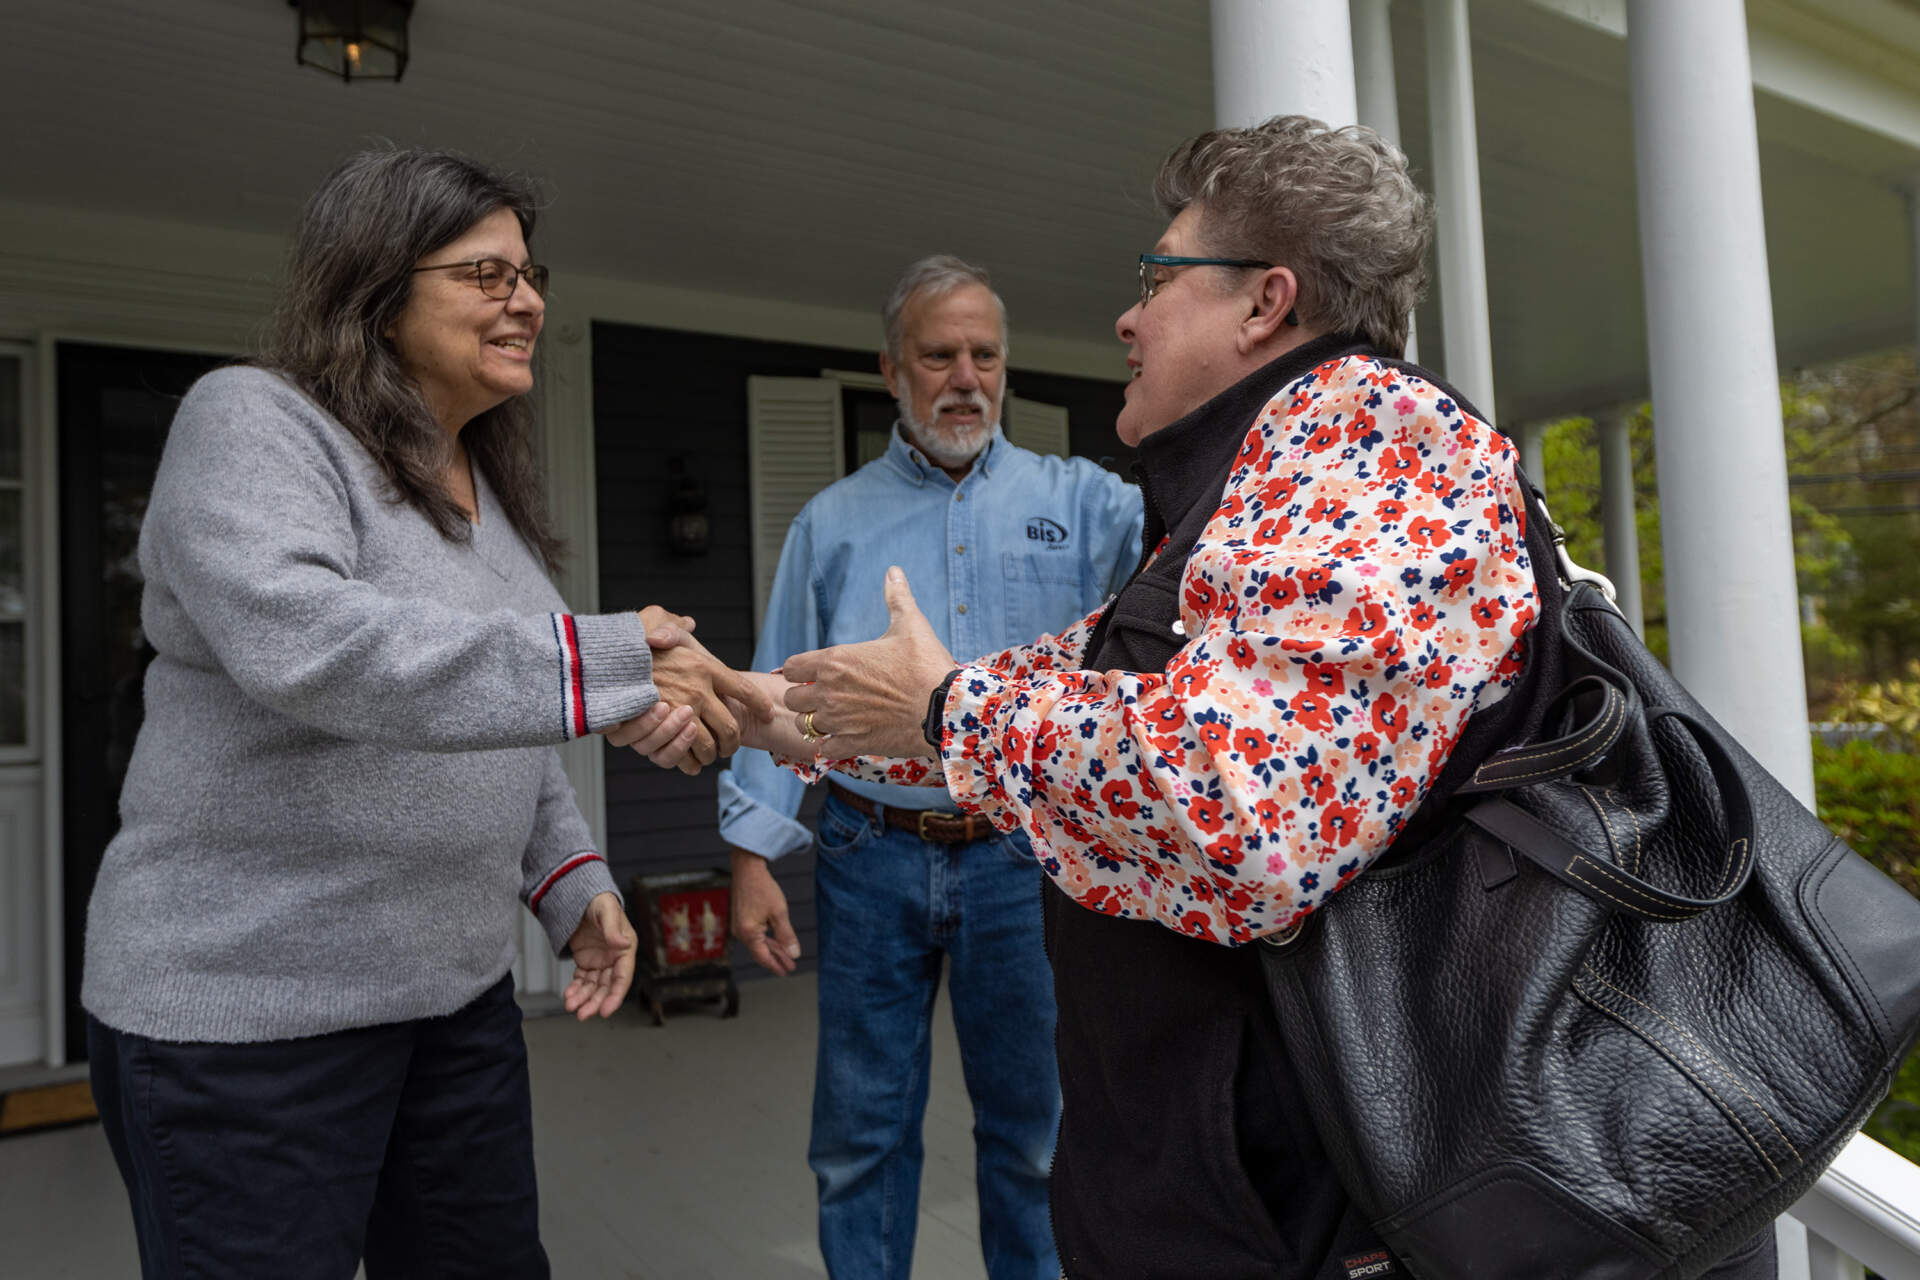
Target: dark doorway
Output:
{"points": [[115, 405]]}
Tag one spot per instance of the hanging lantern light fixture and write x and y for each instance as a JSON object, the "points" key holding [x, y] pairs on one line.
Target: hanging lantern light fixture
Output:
{"points": [[354, 39]]}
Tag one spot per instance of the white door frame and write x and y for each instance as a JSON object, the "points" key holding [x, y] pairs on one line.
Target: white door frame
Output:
{"points": [[42, 443], [21, 765]]}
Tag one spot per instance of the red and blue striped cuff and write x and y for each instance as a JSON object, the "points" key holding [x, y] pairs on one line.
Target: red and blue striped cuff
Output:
{"points": [[613, 649], [553, 877], [573, 691]]}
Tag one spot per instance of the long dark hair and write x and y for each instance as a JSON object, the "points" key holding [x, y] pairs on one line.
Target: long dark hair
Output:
{"points": [[348, 279]]}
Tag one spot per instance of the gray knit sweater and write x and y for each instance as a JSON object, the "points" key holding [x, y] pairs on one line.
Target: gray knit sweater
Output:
{"points": [[346, 781]]}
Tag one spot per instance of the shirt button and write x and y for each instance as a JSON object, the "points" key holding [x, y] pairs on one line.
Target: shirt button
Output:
{"points": [[960, 550], [959, 496], [963, 609]]}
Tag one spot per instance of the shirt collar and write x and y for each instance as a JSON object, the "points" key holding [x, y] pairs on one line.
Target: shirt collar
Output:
{"points": [[1182, 463], [913, 464]]}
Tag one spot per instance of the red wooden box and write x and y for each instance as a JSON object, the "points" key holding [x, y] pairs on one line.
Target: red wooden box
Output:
{"points": [[682, 918]]}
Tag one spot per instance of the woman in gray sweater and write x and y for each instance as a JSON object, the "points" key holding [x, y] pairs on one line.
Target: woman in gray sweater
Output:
{"points": [[301, 1023]]}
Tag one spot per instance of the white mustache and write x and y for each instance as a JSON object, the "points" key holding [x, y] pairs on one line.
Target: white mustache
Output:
{"points": [[962, 400]]}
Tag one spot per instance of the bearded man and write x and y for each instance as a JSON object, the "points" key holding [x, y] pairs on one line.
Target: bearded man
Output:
{"points": [[1003, 545]]}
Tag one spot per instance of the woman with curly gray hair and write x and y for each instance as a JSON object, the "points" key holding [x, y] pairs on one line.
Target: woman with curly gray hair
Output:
{"points": [[1330, 627]]}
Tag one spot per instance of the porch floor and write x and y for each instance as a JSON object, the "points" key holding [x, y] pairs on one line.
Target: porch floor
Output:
{"points": [[671, 1153]]}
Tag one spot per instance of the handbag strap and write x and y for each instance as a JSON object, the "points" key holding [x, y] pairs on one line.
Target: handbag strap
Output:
{"points": [[1599, 731], [1612, 886], [1580, 746]]}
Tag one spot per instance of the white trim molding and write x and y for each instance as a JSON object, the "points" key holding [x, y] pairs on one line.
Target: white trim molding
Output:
{"points": [[1822, 60], [46, 600], [566, 449], [1868, 1205]]}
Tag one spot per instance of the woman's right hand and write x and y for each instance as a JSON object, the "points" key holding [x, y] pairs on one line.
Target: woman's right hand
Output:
{"points": [[688, 676], [663, 733]]}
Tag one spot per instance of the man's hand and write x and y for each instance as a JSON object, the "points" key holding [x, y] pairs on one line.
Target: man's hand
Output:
{"points": [[688, 676], [872, 697], [603, 953], [760, 915]]}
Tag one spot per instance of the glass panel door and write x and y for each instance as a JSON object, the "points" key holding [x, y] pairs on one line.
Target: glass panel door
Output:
{"points": [[115, 405], [13, 593]]}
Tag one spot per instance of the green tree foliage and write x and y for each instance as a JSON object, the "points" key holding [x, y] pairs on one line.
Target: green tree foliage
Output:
{"points": [[1870, 796], [1893, 704], [1572, 482], [1853, 462], [1897, 1121]]}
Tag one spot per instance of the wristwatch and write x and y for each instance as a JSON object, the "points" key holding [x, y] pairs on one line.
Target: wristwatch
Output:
{"points": [[937, 710]]}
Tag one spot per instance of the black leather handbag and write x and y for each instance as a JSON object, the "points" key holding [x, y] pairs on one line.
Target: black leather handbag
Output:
{"points": [[1619, 1013]]}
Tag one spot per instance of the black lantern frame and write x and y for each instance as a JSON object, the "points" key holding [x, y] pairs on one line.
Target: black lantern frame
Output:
{"points": [[688, 531], [353, 39]]}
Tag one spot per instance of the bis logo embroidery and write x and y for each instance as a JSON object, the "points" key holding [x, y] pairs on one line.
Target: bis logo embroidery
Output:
{"points": [[1376, 1263], [1042, 530]]}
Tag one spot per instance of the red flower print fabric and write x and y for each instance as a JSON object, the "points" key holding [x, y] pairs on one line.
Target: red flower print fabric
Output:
{"points": [[1362, 588]]}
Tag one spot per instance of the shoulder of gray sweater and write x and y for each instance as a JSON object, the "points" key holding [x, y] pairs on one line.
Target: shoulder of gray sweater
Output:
{"points": [[247, 416], [246, 401], [240, 386]]}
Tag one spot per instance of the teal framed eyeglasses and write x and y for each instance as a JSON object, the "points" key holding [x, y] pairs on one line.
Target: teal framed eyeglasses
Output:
{"points": [[1148, 261]]}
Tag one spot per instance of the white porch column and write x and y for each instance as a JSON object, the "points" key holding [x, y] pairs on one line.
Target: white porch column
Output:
{"points": [[1465, 318], [1376, 89], [1282, 59], [1373, 81], [1531, 439], [1728, 549], [1622, 540]]}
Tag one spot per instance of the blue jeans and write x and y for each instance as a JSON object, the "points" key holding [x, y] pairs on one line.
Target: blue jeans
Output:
{"points": [[892, 907]]}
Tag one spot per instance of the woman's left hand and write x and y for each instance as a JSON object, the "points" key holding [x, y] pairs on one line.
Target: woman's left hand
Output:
{"points": [[604, 950], [871, 699]]}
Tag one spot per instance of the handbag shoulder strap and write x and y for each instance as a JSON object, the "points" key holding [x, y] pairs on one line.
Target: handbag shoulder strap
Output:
{"points": [[1613, 886], [1584, 744]]}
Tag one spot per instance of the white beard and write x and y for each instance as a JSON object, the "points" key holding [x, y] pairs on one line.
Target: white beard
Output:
{"points": [[949, 446]]}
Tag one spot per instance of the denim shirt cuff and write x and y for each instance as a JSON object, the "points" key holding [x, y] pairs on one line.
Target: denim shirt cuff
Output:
{"points": [[749, 825]]}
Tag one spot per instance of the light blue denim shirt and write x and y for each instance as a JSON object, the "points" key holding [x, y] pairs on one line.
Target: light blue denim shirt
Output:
{"points": [[1023, 546]]}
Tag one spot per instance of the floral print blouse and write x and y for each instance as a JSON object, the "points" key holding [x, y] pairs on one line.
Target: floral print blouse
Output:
{"points": [[1362, 587]]}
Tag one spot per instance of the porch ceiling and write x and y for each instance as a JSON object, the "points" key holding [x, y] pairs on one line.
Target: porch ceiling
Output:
{"points": [[804, 151]]}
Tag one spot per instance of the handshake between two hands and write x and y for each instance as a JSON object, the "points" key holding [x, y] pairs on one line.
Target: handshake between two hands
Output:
{"points": [[845, 701], [850, 700]]}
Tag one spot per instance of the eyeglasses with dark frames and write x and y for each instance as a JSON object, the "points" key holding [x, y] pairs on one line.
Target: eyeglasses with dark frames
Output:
{"points": [[496, 277], [1148, 261]]}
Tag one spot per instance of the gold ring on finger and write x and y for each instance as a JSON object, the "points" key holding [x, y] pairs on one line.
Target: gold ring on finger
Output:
{"points": [[807, 729]]}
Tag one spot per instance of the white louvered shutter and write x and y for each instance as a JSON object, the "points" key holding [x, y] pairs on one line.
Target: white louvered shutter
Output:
{"points": [[794, 450], [1036, 426]]}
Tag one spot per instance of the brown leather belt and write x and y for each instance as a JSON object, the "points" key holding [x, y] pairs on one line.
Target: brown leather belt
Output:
{"points": [[929, 824]]}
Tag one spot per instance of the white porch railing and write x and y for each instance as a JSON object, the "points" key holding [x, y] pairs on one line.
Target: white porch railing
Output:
{"points": [[1865, 1212]]}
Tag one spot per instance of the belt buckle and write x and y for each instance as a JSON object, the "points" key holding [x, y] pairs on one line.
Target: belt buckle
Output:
{"points": [[920, 827]]}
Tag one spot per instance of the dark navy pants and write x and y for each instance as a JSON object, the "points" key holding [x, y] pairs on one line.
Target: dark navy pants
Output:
{"points": [[409, 1143]]}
